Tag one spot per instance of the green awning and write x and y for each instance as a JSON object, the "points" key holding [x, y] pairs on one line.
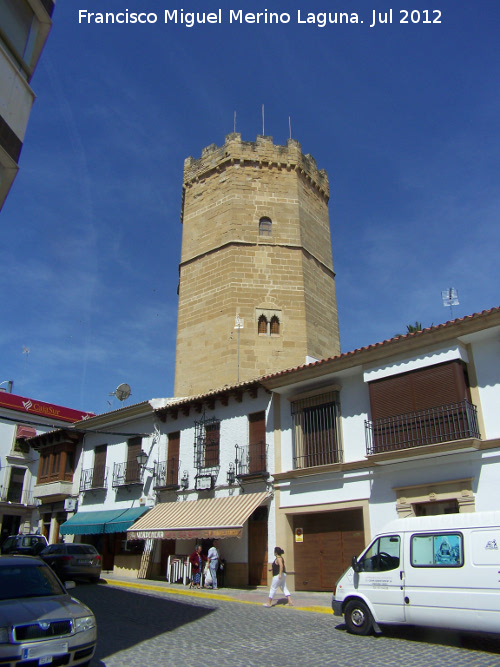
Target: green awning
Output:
{"points": [[105, 521]]}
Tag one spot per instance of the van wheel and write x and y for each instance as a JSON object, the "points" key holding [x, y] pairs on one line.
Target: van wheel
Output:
{"points": [[358, 618]]}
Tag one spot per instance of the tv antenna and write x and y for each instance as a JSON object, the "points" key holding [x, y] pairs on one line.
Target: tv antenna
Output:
{"points": [[450, 299], [122, 392]]}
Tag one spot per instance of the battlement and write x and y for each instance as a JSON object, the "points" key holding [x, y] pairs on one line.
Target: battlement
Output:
{"points": [[262, 153]]}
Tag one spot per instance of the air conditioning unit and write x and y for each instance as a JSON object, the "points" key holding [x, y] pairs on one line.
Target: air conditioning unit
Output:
{"points": [[70, 504]]}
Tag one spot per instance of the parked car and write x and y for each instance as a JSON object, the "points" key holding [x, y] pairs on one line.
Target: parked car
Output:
{"points": [[29, 545], [73, 561], [40, 623]]}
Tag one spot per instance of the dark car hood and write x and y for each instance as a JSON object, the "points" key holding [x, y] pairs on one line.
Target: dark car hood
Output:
{"points": [[27, 610]]}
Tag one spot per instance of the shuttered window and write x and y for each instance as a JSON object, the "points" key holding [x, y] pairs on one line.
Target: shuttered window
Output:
{"points": [[257, 442], [173, 457], [430, 387], [134, 446], [99, 471], [316, 430]]}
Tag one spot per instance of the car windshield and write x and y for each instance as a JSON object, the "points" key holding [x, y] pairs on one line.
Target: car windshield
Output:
{"points": [[26, 581]]}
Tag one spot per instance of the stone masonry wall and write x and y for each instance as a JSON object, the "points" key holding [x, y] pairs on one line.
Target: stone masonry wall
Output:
{"points": [[228, 269]]}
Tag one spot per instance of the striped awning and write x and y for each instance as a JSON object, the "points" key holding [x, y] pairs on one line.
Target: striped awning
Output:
{"points": [[214, 518]]}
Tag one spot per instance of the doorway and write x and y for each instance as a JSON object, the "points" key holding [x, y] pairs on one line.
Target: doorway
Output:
{"points": [[329, 541], [257, 547]]}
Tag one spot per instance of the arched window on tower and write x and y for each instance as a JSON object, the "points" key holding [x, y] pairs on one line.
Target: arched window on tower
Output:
{"points": [[262, 326], [275, 325], [265, 227]]}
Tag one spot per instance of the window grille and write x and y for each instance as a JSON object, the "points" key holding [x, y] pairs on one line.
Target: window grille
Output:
{"points": [[206, 443], [315, 430]]}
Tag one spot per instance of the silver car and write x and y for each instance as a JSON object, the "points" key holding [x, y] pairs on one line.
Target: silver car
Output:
{"points": [[40, 623]]}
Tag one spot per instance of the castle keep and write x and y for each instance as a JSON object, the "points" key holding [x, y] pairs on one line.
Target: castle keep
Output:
{"points": [[256, 250]]}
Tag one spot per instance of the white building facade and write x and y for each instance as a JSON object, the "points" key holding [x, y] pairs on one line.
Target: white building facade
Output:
{"points": [[407, 427], [315, 459], [24, 28], [21, 418]]}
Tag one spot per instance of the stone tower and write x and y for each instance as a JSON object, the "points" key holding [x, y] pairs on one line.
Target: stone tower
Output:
{"points": [[255, 246]]}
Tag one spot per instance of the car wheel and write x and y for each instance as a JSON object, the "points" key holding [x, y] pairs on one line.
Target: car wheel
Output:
{"points": [[94, 580], [358, 618]]}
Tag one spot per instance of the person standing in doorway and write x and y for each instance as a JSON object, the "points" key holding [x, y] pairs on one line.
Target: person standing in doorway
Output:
{"points": [[197, 558], [279, 578], [213, 562]]}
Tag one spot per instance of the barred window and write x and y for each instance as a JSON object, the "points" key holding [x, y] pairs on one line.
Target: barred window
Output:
{"points": [[315, 432], [275, 326]]}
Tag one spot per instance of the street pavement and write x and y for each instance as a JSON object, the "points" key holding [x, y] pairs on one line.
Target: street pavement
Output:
{"points": [[152, 623]]}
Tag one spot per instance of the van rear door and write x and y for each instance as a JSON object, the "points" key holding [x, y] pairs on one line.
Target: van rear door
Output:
{"points": [[381, 578]]}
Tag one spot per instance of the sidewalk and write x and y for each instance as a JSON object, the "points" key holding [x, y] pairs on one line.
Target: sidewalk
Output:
{"points": [[303, 600]]}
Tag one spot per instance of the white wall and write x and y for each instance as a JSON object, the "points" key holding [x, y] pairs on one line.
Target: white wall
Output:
{"points": [[486, 353]]}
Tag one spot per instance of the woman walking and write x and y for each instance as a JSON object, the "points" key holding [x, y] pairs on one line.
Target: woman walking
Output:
{"points": [[279, 578]]}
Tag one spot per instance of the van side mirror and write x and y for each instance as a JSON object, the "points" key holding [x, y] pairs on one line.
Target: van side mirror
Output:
{"points": [[355, 565]]}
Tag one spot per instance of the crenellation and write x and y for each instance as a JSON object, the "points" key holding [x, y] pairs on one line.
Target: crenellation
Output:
{"points": [[261, 153]]}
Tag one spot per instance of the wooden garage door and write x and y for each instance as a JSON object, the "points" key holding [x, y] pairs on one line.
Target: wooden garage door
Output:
{"points": [[330, 540]]}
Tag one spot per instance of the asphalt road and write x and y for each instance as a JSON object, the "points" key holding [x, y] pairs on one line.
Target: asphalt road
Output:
{"points": [[147, 630]]}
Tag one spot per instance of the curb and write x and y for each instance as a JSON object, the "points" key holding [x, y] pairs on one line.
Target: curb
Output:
{"points": [[205, 595]]}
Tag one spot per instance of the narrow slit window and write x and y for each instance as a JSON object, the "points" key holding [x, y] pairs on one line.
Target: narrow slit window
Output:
{"points": [[265, 227]]}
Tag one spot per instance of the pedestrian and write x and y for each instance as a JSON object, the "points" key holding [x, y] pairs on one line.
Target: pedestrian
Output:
{"points": [[279, 578], [196, 559], [213, 562]]}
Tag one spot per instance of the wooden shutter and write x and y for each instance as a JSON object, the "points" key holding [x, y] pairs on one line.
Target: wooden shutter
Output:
{"points": [[99, 466], [257, 442], [173, 458], [134, 446], [424, 388]]}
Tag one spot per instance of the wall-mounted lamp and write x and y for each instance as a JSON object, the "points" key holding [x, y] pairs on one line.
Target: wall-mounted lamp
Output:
{"points": [[231, 475], [185, 480], [142, 459]]}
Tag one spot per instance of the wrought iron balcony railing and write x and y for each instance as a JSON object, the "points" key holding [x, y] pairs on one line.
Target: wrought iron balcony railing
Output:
{"points": [[94, 478], [127, 473], [425, 427], [251, 459], [19, 497], [166, 473]]}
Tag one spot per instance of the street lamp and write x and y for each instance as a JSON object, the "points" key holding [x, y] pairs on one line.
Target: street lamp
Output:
{"points": [[142, 459]]}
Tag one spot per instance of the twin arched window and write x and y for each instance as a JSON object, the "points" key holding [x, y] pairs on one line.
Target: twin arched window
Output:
{"points": [[268, 328]]}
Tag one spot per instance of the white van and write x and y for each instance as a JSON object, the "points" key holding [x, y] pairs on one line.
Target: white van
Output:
{"points": [[441, 571]]}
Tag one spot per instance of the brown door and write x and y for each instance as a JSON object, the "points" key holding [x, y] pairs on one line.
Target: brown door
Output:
{"points": [[330, 540], [257, 548]]}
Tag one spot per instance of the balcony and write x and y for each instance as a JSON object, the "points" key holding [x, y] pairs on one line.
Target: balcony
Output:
{"points": [[15, 496], [94, 478], [457, 421], [127, 474], [251, 460], [54, 490], [166, 474]]}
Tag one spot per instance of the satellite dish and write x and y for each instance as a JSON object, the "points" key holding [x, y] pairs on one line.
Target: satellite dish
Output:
{"points": [[122, 392]]}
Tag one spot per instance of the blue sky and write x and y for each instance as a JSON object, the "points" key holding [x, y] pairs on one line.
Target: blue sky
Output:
{"points": [[403, 117]]}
